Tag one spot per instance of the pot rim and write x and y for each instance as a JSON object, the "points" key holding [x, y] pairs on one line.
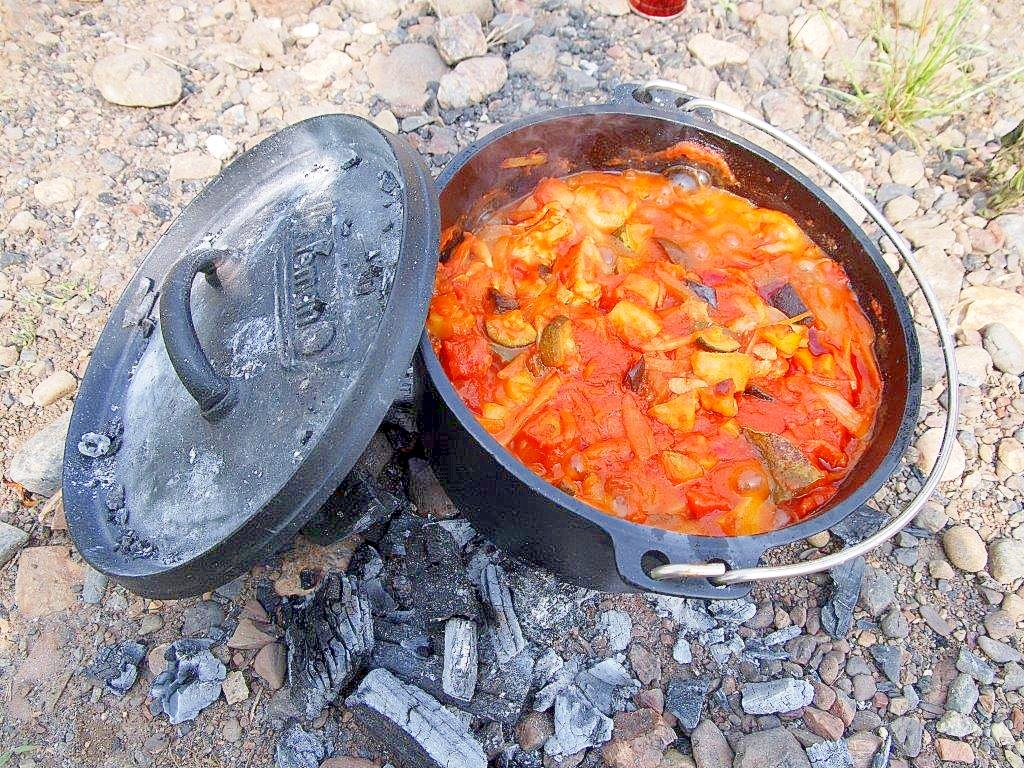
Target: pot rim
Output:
{"points": [[741, 548]]}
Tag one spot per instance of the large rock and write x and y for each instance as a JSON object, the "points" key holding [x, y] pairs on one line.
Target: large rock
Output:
{"points": [[777, 748], [46, 580], [132, 79], [38, 462], [11, 540], [965, 548], [537, 59], [1006, 560], [459, 37], [401, 77], [472, 81]]}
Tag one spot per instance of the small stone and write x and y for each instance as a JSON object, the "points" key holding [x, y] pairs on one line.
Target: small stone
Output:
{"points": [[537, 59], [811, 32], [150, 623], [934, 620], [710, 748], [1000, 624], [819, 539], [956, 724], [193, 165], [261, 40], [46, 581], [894, 624], [962, 695], [54, 191], [401, 77], [775, 748], [472, 81], [132, 79], [533, 730], [371, 10], [156, 660], [877, 591], [908, 734], [776, 696], [201, 618], [11, 540], [219, 147], [645, 664], [459, 37], [54, 387], [928, 451], [247, 636], [972, 366], [271, 665], [906, 168], [940, 569], [617, 628], [900, 208], [386, 121], [952, 751], [1000, 653], [965, 548], [1005, 349], [1006, 558], [484, 9], [1013, 679], [234, 687], [232, 730], [610, 7], [825, 724], [864, 687], [971, 664], [94, 586], [712, 52], [784, 108], [890, 660]]}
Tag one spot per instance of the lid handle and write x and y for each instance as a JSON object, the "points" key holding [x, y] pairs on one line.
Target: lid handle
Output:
{"points": [[215, 394]]}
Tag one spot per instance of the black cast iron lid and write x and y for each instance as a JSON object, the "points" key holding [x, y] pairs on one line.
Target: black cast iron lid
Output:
{"points": [[219, 413]]}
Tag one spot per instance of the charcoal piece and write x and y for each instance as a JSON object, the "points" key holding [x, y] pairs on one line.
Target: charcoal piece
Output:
{"points": [[608, 685], [117, 666], [560, 679], [462, 531], [776, 696], [494, 738], [732, 611], [858, 525], [515, 757], [267, 597], [430, 579], [297, 748], [685, 699], [502, 623], [413, 727], [691, 617], [548, 665], [460, 660], [758, 650], [837, 611], [191, 682], [578, 724], [889, 659], [402, 413], [500, 702], [329, 636], [409, 636], [544, 601], [830, 754], [359, 503], [780, 636], [505, 687]]}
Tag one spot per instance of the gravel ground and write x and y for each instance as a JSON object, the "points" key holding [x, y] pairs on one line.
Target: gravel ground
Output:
{"points": [[114, 116]]}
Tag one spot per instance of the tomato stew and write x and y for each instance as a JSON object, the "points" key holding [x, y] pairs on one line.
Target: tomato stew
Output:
{"points": [[661, 349]]}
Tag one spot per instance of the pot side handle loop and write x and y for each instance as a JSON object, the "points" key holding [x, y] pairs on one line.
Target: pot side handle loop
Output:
{"points": [[701, 106], [216, 395]]}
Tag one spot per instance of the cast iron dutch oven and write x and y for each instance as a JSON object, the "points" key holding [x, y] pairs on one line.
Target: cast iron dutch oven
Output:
{"points": [[217, 416]]}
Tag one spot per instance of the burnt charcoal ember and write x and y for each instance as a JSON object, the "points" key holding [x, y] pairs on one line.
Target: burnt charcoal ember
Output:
{"points": [[413, 727], [360, 503], [117, 666], [268, 598], [494, 738], [830, 754], [191, 682], [578, 724], [560, 678], [500, 691], [430, 579], [502, 623], [329, 636], [297, 748], [544, 601], [514, 757], [685, 699], [402, 412], [860, 524], [392, 629], [889, 659], [608, 685], [460, 659], [837, 611], [368, 564], [461, 530], [732, 611]]}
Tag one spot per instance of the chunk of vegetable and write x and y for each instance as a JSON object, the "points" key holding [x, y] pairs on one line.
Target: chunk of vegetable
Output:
{"points": [[720, 398], [636, 376], [556, 343], [510, 329], [648, 289], [717, 339], [783, 337], [714, 367], [840, 406], [638, 429], [500, 301], [678, 413], [679, 467], [792, 472], [705, 292], [634, 324]]}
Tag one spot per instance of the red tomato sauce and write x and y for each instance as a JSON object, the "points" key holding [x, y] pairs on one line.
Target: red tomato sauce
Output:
{"points": [[671, 355]]}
